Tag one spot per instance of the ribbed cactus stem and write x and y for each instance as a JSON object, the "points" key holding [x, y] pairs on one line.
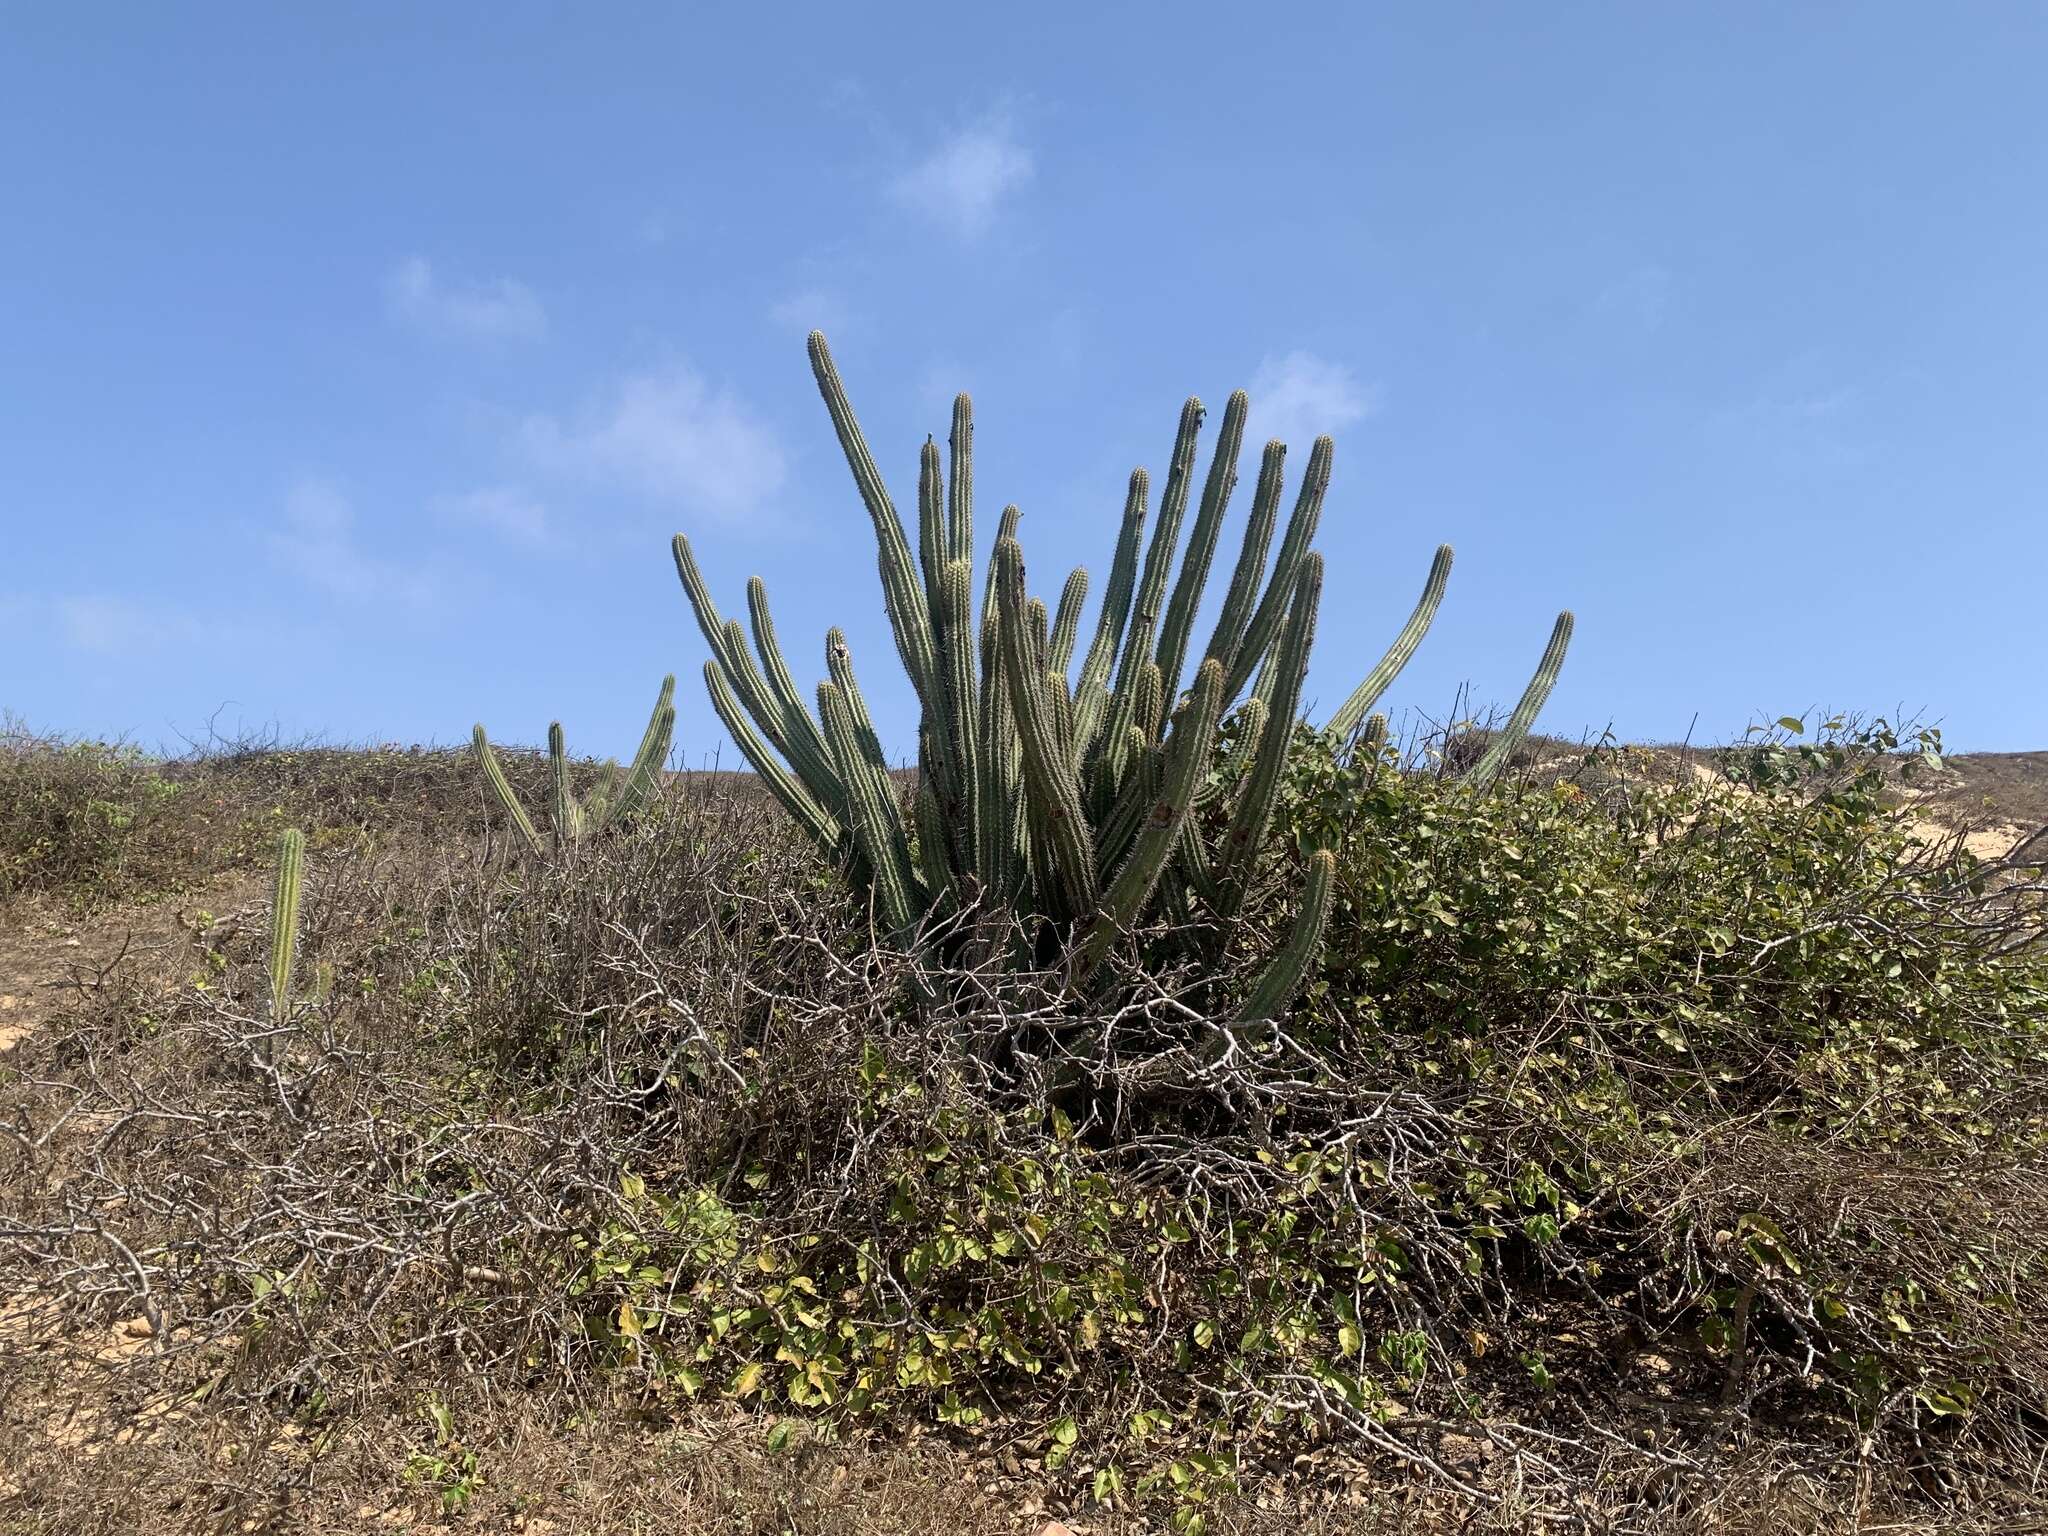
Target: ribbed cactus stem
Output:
{"points": [[1243, 750], [960, 483], [934, 530], [1283, 976], [1381, 677], [807, 754], [1148, 715], [996, 728], [626, 796], [1122, 715], [874, 786], [1091, 691], [1191, 864], [701, 605], [1294, 548], [1053, 794], [563, 810], [284, 920], [902, 594], [1066, 624], [934, 846], [808, 814], [1158, 836], [1245, 836], [1516, 731], [1373, 739], [1262, 690], [955, 724], [597, 800], [1151, 593], [873, 829], [1243, 592], [729, 644], [1006, 528], [508, 799], [752, 687], [1194, 567]]}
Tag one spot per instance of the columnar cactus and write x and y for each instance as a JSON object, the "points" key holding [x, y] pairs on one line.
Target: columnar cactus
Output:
{"points": [[616, 797], [284, 921], [1078, 799]]}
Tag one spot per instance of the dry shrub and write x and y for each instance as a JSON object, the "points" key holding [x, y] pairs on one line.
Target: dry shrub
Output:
{"points": [[660, 1134]]}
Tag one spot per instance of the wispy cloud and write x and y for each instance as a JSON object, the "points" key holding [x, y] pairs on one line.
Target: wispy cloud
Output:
{"points": [[1805, 413], [1638, 299], [810, 309], [669, 437], [1300, 397], [499, 309], [108, 625], [318, 543], [119, 626], [963, 182], [504, 509]]}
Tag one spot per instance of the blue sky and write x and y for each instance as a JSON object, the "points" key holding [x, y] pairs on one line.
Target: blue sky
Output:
{"points": [[356, 362]]}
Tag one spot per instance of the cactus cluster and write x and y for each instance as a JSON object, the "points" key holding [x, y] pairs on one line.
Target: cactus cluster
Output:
{"points": [[1080, 798], [620, 793]]}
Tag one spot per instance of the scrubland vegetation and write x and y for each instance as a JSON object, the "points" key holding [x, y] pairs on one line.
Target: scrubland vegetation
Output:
{"points": [[1648, 1149], [1153, 1111]]}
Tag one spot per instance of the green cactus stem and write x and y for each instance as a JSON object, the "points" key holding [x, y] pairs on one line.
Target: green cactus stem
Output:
{"points": [[1376, 682], [1283, 976], [284, 920], [1516, 731]]}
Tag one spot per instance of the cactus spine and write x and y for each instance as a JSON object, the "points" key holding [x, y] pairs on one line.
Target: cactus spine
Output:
{"points": [[1072, 800]]}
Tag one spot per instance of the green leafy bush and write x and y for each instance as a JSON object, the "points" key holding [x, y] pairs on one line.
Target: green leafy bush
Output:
{"points": [[94, 818], [1772, 938]]}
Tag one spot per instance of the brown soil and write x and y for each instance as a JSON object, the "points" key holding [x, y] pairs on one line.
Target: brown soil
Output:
{"points": [[47, 953]]}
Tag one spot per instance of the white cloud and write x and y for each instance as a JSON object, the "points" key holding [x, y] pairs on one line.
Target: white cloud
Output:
{"points": [[1638, 299], [498, 310], [319, 543], [1300, 397], [101, 624], [117, 626], [960, 184], [668, 436], [811, 309], [505, 508]]}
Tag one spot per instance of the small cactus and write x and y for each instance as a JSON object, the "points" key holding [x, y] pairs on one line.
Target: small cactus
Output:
{"points": [[618, 796], [284, 921]]}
